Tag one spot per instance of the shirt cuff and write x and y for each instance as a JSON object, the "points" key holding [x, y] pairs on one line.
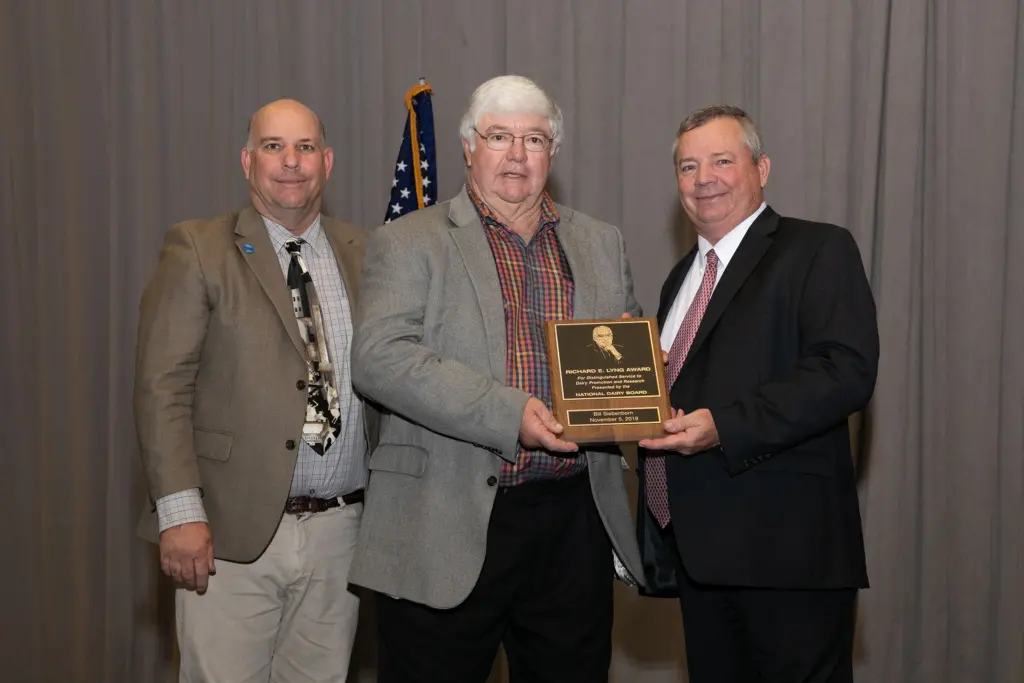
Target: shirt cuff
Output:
{"points": [[180, 508]]}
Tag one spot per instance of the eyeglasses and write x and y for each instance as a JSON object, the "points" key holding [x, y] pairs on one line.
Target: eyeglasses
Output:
{"points": [[502, 141]]}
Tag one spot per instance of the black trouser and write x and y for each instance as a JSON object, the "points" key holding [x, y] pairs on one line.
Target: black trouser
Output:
{"points": [[762, 635], [545, 592]]}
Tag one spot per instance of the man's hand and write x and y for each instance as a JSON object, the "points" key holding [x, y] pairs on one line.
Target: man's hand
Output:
{"points": [[539, 429], [186, 555], [688, 433]]}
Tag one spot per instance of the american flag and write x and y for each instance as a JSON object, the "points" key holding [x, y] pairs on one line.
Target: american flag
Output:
{"points": [[415, 180]]}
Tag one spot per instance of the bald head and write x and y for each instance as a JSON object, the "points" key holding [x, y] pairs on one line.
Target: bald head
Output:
{"points": [[282, 107], [286, 163]]}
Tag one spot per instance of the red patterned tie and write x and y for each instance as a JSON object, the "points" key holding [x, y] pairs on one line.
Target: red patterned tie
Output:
{"points": [[657, 484]]}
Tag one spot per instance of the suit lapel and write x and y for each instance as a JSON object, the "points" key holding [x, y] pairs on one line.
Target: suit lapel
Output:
{"points": [[348, 256], [254, 245], [584, 302], [754, 245], [478, 260]]}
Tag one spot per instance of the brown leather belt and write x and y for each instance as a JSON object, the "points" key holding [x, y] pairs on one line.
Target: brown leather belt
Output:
{"points": [[298, 505]]}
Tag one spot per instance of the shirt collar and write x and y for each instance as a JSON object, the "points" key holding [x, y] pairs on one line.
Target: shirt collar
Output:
{"points": [[314, 235], [548, 212], [727, 246]]}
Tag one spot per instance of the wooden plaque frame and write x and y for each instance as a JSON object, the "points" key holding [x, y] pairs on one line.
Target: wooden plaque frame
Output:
{"points": [[601, 395]]}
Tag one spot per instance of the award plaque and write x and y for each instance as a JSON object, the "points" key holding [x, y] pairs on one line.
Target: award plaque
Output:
{"points": [[607, 379]]}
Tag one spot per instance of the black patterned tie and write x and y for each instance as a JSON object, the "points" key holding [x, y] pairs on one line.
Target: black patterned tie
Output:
{"points": [[323, 416]]}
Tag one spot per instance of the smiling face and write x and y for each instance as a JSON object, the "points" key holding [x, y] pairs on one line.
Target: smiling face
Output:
{"points": [[514, 177], [287, 164], [719, 183]]}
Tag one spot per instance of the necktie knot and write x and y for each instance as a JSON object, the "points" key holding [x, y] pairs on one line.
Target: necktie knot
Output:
{"points": [[712, 258], [294, 246]]}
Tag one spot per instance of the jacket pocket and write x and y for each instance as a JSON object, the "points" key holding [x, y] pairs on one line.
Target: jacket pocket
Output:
{"points": [[403, 459], [212, 445], [818, 463]]}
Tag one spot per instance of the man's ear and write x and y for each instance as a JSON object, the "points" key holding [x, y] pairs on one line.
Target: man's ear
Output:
{"points": [[764, 167]]}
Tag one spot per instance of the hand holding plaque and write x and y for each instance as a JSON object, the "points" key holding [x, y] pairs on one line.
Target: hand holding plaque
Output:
{"points": [[607, 379]]}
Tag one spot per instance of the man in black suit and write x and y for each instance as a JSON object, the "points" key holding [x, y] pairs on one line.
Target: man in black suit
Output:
{"points": [[748, 506]]}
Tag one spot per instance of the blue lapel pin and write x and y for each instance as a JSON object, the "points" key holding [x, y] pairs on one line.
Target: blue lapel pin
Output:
{"points": [[248, 248]]}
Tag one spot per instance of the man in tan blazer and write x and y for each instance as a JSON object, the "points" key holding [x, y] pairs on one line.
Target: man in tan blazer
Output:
{"points": [[253, 439]]}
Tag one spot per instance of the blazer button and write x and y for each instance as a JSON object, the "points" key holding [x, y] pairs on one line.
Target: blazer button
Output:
{"points": [[290, 444], [492, 481], [301, 384]]}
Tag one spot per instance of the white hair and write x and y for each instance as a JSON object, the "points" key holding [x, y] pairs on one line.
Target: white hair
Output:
{"points": [[511, 95]]}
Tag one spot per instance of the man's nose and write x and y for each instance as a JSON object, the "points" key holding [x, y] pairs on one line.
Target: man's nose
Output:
{"points": [[704, 175], [517, 152], [290, 158]]}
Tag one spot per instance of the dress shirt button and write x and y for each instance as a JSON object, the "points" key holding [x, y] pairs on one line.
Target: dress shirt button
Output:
{"points": [[492, 481], [290, 444], [301, 384]]}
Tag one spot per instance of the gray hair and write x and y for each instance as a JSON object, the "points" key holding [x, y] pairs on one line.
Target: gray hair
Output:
{"points": [[701, 116], [511, 95]]}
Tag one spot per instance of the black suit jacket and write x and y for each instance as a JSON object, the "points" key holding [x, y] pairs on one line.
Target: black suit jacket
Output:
{"points": [[786, 352]]}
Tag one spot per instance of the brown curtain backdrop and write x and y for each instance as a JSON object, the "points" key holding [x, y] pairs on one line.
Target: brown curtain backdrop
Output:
{"points": [[900, 119]]}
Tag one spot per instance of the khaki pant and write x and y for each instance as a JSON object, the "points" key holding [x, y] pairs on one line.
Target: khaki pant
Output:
{"points": [[286, 618]]}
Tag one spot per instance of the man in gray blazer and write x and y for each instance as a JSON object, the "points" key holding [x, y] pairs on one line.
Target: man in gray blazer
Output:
{"points": [[253, 440], [481, 525]]}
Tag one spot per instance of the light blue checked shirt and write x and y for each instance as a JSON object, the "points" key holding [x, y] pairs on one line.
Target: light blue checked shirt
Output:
{"points": [[342, 468]]}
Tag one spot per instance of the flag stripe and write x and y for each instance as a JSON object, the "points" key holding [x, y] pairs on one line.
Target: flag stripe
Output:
{"points": [[414, 135]]}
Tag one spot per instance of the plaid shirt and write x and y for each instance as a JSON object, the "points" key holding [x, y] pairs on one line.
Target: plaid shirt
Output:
{"points": [[536, 285]]}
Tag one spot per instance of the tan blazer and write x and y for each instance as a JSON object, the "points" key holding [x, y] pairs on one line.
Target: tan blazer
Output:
{"points": [[218, 400]]}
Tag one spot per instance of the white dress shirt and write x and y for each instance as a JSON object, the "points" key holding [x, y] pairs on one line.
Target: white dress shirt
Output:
{"points": [[725, 249]]}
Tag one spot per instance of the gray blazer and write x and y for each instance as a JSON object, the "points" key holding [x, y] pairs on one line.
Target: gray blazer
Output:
{"points": [[430, 348]]}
